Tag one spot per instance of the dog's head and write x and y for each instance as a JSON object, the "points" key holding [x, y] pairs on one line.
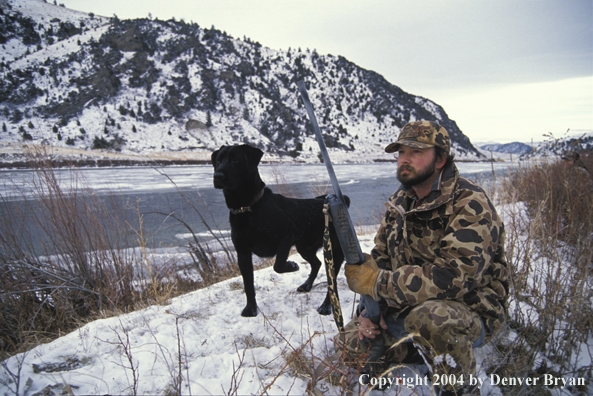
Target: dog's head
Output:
{"points": [[233, 164]]}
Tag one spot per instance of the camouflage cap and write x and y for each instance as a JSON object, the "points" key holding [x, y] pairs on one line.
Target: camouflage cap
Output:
{"points": [[422, 134]]}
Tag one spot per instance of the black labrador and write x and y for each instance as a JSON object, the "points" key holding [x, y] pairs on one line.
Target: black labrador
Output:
{"points": [[269, 224]]}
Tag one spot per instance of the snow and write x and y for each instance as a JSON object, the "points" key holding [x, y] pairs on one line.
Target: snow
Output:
{"points": [[58, 50], [43, 13], [207, 328], [201, 339]]}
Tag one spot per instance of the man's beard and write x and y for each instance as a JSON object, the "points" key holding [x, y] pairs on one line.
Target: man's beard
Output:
{"points": [[416, 177]]}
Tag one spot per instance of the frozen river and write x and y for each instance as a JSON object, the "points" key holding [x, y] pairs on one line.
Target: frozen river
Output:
{"points": [[14, 184], [187, 190]]}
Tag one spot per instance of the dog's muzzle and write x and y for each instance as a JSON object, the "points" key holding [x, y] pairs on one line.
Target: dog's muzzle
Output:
{"points": [[219, 180]]}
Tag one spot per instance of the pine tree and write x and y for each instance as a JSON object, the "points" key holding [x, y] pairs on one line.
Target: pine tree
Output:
{"points": [[208, 119]]}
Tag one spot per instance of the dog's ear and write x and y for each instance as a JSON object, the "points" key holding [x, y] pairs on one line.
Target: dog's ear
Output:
{"points": [[253, 155], [213, 157]]}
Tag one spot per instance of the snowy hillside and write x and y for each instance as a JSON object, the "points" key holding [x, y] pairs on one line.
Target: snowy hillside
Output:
{"points": [[142, 86], [31, 28]]}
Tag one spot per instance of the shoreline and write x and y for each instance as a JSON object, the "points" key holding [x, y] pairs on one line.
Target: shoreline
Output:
{"points": [[58, 163], [15, 156]]}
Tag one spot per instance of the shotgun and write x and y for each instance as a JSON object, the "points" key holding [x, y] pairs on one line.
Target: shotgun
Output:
{"points": [[340, 216]]}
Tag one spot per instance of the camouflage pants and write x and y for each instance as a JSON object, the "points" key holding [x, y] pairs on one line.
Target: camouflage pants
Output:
{"points": [[443, 331]]}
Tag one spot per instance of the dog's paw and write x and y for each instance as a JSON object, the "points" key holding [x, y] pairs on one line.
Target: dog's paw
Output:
{"points": [[305, 287], [289, 266], [249, 311], [325, 309]]}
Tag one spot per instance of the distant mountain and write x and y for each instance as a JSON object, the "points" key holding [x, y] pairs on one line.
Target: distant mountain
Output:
{"points": [[78, 80], [508, 148]]}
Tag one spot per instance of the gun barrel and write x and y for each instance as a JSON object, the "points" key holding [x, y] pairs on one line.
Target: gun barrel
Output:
{"points": [[320, 141]]}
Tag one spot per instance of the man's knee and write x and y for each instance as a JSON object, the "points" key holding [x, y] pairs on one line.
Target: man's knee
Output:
{"points": [[444, 332]]}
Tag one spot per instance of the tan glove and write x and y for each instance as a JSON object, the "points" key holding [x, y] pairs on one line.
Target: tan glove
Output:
{"points": [[362, 279]]}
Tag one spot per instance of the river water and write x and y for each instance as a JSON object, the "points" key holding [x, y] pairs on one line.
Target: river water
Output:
{"points": [[159, 194]]}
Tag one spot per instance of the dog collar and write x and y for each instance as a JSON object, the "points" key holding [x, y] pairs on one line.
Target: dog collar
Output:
{"points": [[246, 209]]}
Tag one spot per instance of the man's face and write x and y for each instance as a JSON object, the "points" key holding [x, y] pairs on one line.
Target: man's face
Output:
{"points": [[415, 165]]}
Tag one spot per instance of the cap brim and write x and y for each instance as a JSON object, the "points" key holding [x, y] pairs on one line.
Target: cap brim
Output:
{"points": [[393, 147]]}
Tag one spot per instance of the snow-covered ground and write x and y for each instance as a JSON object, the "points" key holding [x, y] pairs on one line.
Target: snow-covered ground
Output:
{"points": [[201, 340]]}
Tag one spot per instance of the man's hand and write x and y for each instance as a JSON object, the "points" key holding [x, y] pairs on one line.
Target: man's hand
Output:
{"points": [[362, 279], [368, 329]]}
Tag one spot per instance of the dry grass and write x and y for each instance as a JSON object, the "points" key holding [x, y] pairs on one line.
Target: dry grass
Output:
{"points": [[549, 222], [74, 264]]}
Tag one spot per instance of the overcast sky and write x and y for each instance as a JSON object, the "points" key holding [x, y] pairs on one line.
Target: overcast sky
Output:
{"points": [[504, 70]]}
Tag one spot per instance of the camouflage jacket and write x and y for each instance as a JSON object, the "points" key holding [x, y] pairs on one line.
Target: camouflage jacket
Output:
{"points": [[449, 247]]}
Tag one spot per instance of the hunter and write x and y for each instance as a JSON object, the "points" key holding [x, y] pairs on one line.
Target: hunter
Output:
{"points": [[438, 268]]}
